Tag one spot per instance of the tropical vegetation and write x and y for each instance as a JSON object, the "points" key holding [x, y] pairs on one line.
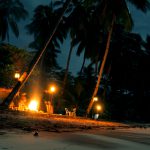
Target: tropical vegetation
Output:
{"points": [[101, 31], [11, 12]]}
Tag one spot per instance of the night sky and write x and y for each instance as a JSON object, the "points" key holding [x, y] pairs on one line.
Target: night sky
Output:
{"points": [[141, 25]]}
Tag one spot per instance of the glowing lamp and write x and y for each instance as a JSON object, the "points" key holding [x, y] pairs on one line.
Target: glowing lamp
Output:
{"points": [[95, 99], [98, 107], [17, 75], [52, 89]]}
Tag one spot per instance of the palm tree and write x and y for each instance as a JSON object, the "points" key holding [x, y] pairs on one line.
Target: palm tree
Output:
{"points": [[36, 59], [44, 20], [74, 23], [114, 12], [83, 33], [11, 12]]}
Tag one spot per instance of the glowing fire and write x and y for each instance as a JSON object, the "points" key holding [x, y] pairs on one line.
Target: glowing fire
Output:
{"points": [[33, 105]]}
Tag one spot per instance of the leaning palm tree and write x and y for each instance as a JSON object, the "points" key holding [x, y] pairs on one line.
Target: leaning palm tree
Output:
{"points": [[44, 20], [11, 11], [35, 60], [109, 14]]}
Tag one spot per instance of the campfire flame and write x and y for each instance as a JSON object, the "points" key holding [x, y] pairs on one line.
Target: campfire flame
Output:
{"points": [[33, 105]]}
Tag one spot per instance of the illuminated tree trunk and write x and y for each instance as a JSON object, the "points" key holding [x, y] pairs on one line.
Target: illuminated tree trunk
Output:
{"points": [[33, 63], [102, 67]]}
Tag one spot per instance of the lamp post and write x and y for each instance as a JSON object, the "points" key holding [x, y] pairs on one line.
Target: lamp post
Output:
{"points": [[49, 104], [98, 108], [17, 75], [52, 91]]}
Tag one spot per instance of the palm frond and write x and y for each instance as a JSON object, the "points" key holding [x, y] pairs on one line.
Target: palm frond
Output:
{"points": [[142, 5]]}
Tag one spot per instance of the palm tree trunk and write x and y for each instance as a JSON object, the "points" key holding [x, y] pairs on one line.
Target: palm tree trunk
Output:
{"points": [[67, 68], [102, 66], [106, 83], [34, 62]]}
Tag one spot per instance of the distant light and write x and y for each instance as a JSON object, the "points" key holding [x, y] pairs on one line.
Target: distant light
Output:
{"points": [[95, 99], [17, 75], [33, 105], [52, 89], [99, 107]]}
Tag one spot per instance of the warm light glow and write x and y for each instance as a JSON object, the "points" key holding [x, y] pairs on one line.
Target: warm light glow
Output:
{"points": [[98, 107], [17, 75], [52, 89], [33, 105], [95, 99]]}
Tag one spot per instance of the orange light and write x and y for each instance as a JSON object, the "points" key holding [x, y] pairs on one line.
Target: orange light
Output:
{"points": [[52, 89], [98, 107], [33, 105]]}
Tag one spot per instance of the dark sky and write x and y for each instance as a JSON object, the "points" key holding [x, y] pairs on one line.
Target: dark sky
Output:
{"points": [[142, 26]]}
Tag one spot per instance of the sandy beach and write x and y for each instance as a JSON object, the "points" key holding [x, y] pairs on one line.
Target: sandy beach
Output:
{"points": [[58, 132], [14, 139], [29, 121]]}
